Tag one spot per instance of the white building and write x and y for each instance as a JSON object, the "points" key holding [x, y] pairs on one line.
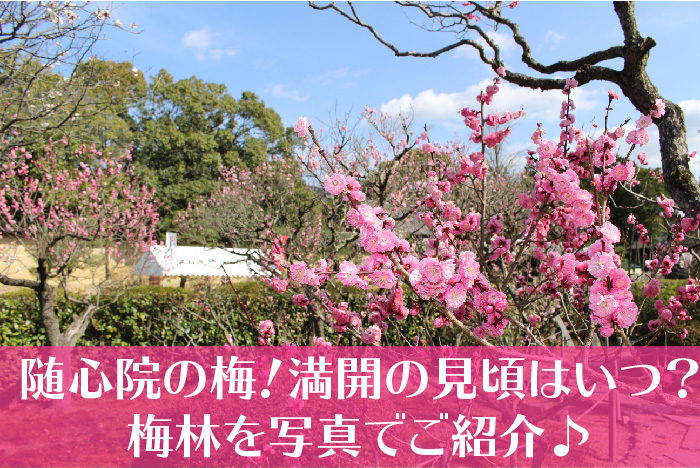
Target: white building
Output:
{"points": [[184, 261]]}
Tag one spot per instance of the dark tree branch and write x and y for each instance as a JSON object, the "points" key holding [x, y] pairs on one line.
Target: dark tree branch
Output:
{"points": [[22, 283]]}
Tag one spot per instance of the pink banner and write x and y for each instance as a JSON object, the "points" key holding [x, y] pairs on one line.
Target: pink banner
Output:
{"points": [[322, 407]]}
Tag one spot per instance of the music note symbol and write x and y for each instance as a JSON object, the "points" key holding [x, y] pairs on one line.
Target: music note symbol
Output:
{"points": [[561, 449]]}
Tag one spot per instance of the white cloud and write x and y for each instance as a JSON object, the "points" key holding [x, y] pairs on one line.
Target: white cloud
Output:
{"points": [[333, 75], [554, 38], [429, 105], [281, 90], [206, 45], [340, 77]]}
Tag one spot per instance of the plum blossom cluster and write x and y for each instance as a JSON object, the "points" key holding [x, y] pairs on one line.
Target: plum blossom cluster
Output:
{"points": [[475, 269], [60, 210], [266, 330]]}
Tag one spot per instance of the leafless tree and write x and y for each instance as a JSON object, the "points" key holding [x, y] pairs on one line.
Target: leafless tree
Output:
{"points": [[470, 26], [45, 73]]}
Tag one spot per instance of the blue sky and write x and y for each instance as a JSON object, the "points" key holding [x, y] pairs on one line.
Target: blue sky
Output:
{"points": [[303, 62]]}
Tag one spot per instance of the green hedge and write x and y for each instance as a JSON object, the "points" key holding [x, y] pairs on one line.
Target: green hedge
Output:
{"points": [[142, 316], [154, 316], [19, 320]]}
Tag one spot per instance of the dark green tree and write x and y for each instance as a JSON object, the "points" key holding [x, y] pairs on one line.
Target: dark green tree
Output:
{"points": [[186, 130], [117, 88]]}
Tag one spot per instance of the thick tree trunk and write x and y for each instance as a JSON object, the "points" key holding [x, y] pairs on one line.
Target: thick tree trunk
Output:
{"points": [[637, 86], [76, 329], [675, 164], [47, 307], [680, 182]]}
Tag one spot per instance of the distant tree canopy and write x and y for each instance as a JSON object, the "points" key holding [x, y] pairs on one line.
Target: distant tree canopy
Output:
{"points": [[185, 130], [122, 88], [181, 132]]}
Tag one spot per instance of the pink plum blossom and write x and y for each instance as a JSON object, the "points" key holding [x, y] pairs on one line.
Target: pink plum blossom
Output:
{"points": [[301, 127], [372, 334], [335, 184], [652, 288]]}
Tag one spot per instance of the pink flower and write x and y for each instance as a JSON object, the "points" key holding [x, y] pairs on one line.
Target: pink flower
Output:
{"points": [[385, 278], [335, 184], [667, 205], [321, 343], [637, 137], [570, 84], [429, 148], [267, 330], [613, 95], [600, 264], [642, 158], [378, 241], [299, 272], [266, 326], [340, 314], [495, 225], [689, 224], [455, 296], [279, 285], [623, 172], [371, 335], [469, 268], [355, 320], [349, 276], [300, 300], [502, 70], [471, 221], [626, 314], [659, 109], [301, 127], [610, 232], [643, 121], [430, 278], [365, 215], [619, 284], [652, 288], [490, 301], [547, 148], [603, 305]]}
